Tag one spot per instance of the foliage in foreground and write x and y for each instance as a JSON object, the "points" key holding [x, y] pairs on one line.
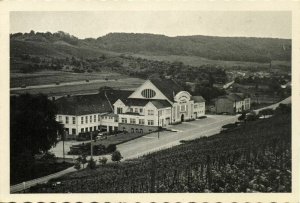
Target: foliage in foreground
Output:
{"points": [[255, 157]]}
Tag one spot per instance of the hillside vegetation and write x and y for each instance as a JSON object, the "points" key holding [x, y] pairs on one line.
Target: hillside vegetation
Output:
{"points": [[216, 48], [252, 157]]}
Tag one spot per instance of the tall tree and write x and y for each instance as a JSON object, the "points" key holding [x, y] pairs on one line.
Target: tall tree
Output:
{"points": [[33, 127]]}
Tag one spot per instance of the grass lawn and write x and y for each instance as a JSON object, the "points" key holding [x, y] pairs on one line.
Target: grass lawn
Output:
{"points": [[119, 138]]}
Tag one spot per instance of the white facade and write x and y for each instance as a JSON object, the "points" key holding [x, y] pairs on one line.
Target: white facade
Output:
{"points": [[145, 109], [77, 124], [181, 108]]}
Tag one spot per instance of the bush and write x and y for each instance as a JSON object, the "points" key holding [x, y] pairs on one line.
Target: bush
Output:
{"points": [[91, 164], [116, 156], [77, 165], [111, 148], [103, 160]]}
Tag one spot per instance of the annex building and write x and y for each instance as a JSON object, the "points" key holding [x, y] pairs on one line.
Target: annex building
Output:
{"points": [[156, 103]]}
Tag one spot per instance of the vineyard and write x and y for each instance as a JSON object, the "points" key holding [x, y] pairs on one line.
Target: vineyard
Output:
{"points": [[255, 157]]}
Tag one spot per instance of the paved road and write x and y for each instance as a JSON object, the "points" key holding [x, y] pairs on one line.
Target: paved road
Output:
{"points": [[150, 143]]}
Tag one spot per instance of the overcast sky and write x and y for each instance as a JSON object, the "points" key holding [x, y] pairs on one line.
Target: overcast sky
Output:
{"points": [[172, 23]]}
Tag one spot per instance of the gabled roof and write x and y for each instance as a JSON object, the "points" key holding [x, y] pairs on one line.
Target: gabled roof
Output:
{"points": [[82, 105], [160, 104], [168, 87], [91, 103], [198, 99]]}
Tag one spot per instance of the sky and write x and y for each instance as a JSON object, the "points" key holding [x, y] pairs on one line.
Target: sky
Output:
{"points": [[85, 24]]}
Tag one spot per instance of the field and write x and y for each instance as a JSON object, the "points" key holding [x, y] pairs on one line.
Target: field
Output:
{"points": [[253, 157], [114, 80], [51, 77], [198, 61]]}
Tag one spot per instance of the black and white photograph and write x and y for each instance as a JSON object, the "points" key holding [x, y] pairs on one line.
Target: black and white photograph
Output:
{"points": [[150, 101]]}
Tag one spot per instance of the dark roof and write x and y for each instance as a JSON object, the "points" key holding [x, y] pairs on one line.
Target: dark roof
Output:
{"points": [[158, 103], [91, 103], [198, 99], [168, 87], [114, 95], [234, 97]]}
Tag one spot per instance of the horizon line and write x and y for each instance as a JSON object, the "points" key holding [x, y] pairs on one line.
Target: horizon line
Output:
{"points": [[237, 36]]}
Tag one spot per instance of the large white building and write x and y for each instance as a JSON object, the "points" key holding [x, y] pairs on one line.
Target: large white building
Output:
{"points": [[156, 103]]}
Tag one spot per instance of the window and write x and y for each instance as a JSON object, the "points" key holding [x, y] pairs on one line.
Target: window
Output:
{"points": [[124, 120], [99, 117], [60, 118], [86, 119], [74, 120], [86, 129], [99, 127], [195, 106], [132, 120], [150, 112], [73, 131], [81, 119], [182, 107], [160, 112], [67, 119], [150, 122], [141, 121], [148, 93], [132, 130], [95, 128], [136, 110], [131, 109], [141, 110], [141, 130], [119, 110], [82, 130], [95, 118], [137, 130], [91, 129], [91, 119]]}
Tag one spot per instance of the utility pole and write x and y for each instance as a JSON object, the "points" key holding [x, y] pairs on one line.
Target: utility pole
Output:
{"points": [[158, 124], [91, 145], [63, 139]]}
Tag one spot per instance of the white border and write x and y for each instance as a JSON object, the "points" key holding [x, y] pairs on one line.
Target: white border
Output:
{"points": [[91, 5]]}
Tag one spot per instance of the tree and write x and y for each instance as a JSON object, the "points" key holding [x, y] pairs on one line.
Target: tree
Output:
{"points": [[116, 156], [242, 117], [77, 165], [32, 124], [33, 130], [103, 160]]}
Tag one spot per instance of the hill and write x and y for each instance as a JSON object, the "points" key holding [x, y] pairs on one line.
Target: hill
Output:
{"points": [[215, 48]]}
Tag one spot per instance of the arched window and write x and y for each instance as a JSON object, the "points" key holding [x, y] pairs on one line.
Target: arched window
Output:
{"points": [[148, 93]]}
